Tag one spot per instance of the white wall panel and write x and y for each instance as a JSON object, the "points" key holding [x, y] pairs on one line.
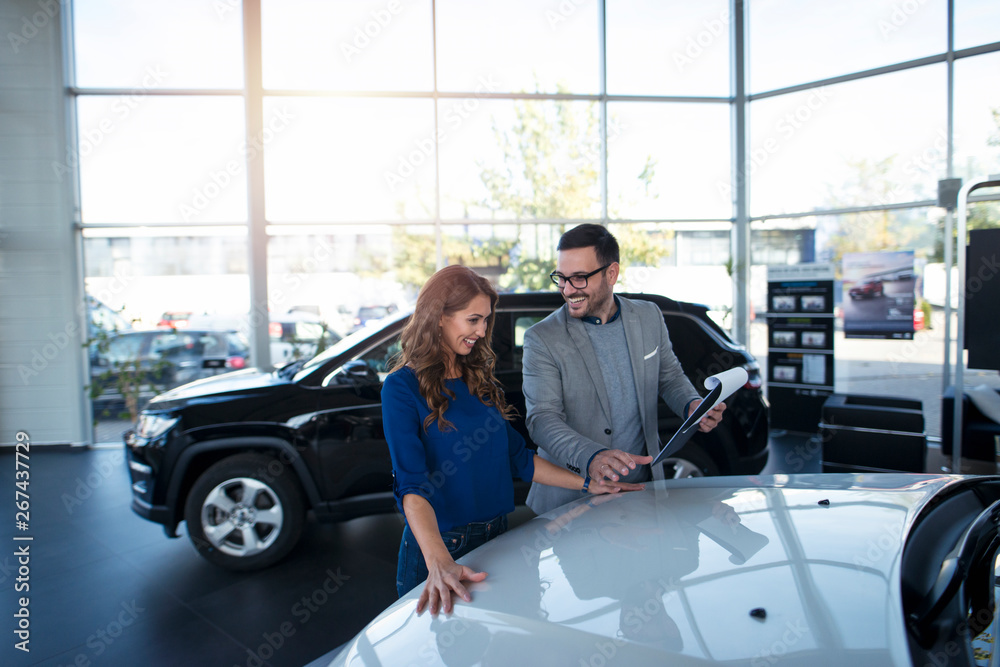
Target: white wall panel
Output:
{"points": [[41, 321]]}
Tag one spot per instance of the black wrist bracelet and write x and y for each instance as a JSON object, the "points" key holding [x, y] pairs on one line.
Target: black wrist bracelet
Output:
{"points": [[586, 483]]}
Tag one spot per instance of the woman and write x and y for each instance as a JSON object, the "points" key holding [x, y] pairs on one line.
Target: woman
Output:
{"points": [[453, 450]]}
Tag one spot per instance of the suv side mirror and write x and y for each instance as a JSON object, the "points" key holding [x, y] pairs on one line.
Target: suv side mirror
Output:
{"points": [[358, 373]]}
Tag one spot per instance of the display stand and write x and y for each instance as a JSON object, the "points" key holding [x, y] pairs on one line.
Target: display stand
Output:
{"points": [[873, 433], [962, 215], [800, 344]]}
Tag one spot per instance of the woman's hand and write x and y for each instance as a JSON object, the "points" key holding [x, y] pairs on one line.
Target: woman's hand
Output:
{"points": [[553, 475], [445, 578], [598, 487]]}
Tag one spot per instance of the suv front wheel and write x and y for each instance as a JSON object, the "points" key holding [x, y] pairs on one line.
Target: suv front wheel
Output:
{"points": [[690, 461], [242, 517]]}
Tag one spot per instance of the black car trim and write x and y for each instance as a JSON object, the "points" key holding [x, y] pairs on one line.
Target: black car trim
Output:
{"points": [[160, 514], [321, 370], [356, 506], [265, 443], [355, 353]]}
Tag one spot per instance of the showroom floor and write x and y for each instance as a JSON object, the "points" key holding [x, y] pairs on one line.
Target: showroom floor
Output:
{"points": [[107, 588]]}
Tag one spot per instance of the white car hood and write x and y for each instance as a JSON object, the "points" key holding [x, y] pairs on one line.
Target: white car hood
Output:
{"points": [[796, 570]]}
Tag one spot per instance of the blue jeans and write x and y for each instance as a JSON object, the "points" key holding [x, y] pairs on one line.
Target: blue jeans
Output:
{"points": [[412, 569]]}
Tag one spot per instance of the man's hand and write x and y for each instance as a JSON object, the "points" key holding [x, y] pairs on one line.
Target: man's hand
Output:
{"points": [[612, 463], [711, 419]]}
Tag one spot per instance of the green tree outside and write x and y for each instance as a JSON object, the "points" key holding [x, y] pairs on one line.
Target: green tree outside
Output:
{"points": [[549, 171]]}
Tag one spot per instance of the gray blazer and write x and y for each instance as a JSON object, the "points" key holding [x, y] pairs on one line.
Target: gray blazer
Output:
{"points": [[569, 417]]}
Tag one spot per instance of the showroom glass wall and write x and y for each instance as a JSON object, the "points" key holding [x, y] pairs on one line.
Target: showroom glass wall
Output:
{"points": [[396, 136]]}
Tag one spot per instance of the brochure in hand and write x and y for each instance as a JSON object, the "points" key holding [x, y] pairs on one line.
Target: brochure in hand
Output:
{"points": [[720, 387]]}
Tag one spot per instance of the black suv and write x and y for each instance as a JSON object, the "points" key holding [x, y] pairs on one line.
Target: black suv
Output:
{"points": [[242, 456]]}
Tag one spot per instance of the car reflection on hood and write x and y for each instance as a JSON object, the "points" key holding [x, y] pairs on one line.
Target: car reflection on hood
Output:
{"points": [[796, 570]]}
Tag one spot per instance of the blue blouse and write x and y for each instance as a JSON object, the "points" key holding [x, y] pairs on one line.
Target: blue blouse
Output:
{"points": [[466, 473]]}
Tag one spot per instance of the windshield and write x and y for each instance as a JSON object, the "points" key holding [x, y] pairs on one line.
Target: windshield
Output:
{"points": [[342, 346]]}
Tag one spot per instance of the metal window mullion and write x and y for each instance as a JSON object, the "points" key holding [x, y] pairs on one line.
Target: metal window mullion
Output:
{"points": [[602, 46], [258, 321], [949, 219], [740, 243], [71, 129], [438, 241]]}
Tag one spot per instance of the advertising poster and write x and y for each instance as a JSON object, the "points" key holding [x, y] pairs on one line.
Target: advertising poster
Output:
{"points": [[879, 294]]}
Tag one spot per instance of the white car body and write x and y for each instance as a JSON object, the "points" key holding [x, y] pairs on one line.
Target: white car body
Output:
{"points": [[759, 571]]}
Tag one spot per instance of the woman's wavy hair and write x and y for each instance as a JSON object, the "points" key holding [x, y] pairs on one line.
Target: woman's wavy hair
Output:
{"points": [[446, 292]]}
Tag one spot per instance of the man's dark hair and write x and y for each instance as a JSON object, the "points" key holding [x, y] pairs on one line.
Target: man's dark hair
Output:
{"points": [[590, 235]]}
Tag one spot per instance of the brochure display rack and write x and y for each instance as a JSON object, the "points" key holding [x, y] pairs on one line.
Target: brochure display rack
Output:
{"points": [[800, 344]]}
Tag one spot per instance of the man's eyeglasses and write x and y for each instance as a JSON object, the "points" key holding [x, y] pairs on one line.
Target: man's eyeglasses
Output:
{"points": [[577, 280]]}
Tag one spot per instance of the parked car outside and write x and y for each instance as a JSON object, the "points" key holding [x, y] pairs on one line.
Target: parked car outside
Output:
{"points": [[879, 570], [368, 314], [869, 289], [161, 359], [176, 319], [298, 335], [294, 335], [242, 456], [102, 320]]}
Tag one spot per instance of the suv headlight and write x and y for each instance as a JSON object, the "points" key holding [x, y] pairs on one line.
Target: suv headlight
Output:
{"points": [[152, 425]]}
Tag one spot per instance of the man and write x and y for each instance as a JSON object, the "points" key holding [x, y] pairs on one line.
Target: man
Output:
{"points": [[593, 371]]}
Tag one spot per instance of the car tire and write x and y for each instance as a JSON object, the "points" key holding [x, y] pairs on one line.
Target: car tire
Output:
{"points": [[242, 516], [691, 461]]}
